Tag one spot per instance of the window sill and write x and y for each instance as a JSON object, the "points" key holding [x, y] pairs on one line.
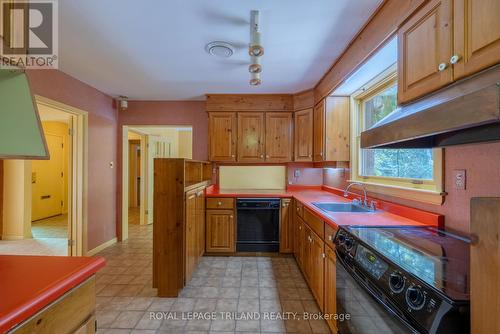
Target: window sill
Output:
{"points": [[413, 194]]}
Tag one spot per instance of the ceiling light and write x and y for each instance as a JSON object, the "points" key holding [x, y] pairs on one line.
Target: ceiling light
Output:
{"points": [[254, 68], [123, 102], [256, 50], [220, 49], [255, 79]]}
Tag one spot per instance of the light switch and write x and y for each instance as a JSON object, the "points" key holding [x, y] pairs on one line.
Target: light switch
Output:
{"points": [[459, 178]]}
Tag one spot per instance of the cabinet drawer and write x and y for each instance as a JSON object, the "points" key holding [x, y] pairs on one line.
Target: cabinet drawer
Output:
{"points": [[299, 209], [316, 224], [220, 203], [330, 235]]}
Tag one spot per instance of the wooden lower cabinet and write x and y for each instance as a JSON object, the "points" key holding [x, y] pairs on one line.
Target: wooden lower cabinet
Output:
{"points": [[286, 226], [191, 236], [330, 293], [220, 231], [299, 238], [316, 259], [71, 313], [200, 221]]}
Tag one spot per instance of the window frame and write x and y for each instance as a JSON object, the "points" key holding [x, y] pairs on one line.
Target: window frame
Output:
{"points": [[430, 191]]}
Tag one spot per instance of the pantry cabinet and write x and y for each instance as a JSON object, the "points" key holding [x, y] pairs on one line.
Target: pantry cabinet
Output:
{"points": [[222, 136], [251, 136], [286, 226], [444, 41], [330, 293], [279, 135], [303, 135]]}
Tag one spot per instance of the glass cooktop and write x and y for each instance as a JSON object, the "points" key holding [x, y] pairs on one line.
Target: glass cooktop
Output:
{"points": [[440, 259]]}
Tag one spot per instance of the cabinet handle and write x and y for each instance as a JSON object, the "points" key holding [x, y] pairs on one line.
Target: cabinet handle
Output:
{"points": [[231, 216], [323, 255], [320, 154], [454, 59], [330, 237], [442, 67], [310, 239]]}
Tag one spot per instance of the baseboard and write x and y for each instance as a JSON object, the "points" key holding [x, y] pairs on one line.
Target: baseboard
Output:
{"points": [[101, 247]]}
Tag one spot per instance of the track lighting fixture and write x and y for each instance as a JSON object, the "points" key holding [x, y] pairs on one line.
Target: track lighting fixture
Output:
{"points": [[255, 49]]}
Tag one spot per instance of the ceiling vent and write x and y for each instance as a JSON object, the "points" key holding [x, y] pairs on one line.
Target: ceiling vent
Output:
{"points": [[220, 49]]}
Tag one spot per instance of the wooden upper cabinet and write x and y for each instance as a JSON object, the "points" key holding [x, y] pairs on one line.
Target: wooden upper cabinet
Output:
{"points": [[279, 137], [319, 132], [303, 135], [251, 136], [476, 34], [424, 51], [222, 133], [337, 129]]}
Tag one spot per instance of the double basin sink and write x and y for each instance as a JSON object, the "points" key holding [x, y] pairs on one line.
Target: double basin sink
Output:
{"points": [[342, 207]]}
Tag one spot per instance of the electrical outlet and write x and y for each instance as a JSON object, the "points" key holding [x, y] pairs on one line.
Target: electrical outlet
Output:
{"points": [[459, 179], [296, 173]]}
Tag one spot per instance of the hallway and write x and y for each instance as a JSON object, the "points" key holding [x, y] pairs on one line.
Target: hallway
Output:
{"points": [[125, 296]]}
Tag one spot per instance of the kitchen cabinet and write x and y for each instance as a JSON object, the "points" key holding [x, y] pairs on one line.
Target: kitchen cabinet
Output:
{"points": [[315, 259], [330, 293], [220, 231], [286, 226], [251, 137], [319, 131], [299, 238], [191, 235], [222, 136], [200, 222], [444, 41], [332, 129], [303, 141], [424, 48], [476, 36], [279, 137]]}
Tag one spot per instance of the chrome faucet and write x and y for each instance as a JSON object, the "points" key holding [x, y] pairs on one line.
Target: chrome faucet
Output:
{"points": [[365, 201]]}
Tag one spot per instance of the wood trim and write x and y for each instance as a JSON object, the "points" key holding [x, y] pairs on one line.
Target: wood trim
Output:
{"points": [[101, 247], [249, 102], [1, 199], [303, 100], [375, 33]]}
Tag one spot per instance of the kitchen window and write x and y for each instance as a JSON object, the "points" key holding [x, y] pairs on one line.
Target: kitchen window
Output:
{"points": [[412, 173]]}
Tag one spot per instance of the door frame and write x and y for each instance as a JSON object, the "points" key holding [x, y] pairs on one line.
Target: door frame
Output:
{"points": [[77, 175]]}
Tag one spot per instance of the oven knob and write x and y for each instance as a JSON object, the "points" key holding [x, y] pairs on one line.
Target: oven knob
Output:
{"points": [[396, 282], [341, 238], [348, 243], [415, 297]]}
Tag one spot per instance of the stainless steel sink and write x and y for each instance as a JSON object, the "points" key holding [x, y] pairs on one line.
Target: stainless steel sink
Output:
{"points": [[342, 207]]}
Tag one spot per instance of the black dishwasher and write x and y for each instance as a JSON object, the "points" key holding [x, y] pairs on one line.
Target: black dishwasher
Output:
{"points": [[258, 225]]}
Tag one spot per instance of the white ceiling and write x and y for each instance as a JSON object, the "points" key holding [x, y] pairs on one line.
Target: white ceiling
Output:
{"points": [[154, 50]]}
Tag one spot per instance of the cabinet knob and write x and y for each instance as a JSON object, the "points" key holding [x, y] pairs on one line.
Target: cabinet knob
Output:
{"points": [[262, 156], [323, 255], [320, 154], [442, 67], [310, 239], [300, 227], [232, 155], [267, 156], [219, 203], [310, 156], [231, 216], [454, 59], [330, 237]]}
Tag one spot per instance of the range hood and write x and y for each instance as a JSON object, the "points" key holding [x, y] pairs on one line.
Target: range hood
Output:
{"points": [[463, 113]]}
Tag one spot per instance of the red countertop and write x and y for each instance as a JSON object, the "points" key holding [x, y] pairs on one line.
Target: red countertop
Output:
{"points": [[387, 213], [29, 283]]}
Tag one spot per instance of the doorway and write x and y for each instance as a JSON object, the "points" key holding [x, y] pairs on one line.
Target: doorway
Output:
{"points": [[141, 144]]}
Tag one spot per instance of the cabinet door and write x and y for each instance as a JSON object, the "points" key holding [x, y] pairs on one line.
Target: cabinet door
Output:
{"points": [[200, 221], [330, 298], [299, 242], [304, 135], [306, 254], [251, 136], [220, 231], [316, 267], [286, 228], [476, 34], [319, 131], [337, 129], [424, 51], [279, 137], [191, 235], [222, 133]]}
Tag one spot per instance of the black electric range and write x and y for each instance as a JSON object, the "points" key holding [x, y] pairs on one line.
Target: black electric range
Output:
{"points": [[419, 275]]}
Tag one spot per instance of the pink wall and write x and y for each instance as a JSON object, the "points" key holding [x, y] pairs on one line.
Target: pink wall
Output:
{"points": [[163, 113], [63, 88], [481, 162], [308, 176]]}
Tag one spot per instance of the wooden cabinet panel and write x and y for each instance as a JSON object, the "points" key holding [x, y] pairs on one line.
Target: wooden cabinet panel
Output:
{"points": [[319, 131], [476, 34], [307, 261], [251, 136], [191, 236], [315, 223], [200, 221], [279, 137], [220, 203], [299, 209], [300, 237], [316, 260], [337, 129], [286, 226], [330, 233], [303, 135], [220, 227], [485, 265], [425, 44], [330, 293], [222, 133]]}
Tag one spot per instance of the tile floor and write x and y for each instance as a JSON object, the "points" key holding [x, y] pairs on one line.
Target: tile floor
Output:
{"points": [[237, 285]]}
